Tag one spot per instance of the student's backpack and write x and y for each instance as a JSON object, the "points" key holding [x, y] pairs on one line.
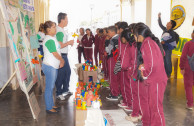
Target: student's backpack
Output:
{"points": [[191, 61], [177, 37]]}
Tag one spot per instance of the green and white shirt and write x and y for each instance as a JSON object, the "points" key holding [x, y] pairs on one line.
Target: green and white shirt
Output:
{"points": [[41, 37], [50, 45], [62, 36]]}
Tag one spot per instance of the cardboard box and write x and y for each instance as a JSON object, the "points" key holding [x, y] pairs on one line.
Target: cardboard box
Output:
{"points": [[80, 117], [87, 74], [80, 73]]}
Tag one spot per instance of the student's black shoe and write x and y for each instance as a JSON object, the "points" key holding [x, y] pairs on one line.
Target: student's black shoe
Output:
{"points": [[57, 109], [51, 112], [112, 98]]}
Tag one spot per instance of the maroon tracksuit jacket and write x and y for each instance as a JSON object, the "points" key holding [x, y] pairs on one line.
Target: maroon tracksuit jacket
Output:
{"points": [[156, 81], [88, 50], [188, 50]]}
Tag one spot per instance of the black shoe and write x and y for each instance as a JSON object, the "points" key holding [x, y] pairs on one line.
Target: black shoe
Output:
{"points": [[112, 98], [57, 109], [50, 112]]}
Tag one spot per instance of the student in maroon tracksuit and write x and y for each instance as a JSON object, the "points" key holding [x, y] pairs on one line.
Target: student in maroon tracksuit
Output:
{"points": [[105, 56], [152, 73], [88, 40], [96, 48], [101, 40], [188, 50], [112, 46]]}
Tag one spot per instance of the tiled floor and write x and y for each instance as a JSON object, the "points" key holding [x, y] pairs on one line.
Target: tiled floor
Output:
{"points": [[15, 111]]}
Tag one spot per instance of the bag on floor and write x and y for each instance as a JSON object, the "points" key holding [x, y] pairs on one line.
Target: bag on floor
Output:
{"points": [[117, 67], [191, 61]]}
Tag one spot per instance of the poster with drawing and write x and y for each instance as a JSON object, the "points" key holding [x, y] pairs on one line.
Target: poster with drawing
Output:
{"points": [[20, 50], [19, 45]]}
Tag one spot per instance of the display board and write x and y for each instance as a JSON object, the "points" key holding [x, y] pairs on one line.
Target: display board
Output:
{"points": [[19, 45]]}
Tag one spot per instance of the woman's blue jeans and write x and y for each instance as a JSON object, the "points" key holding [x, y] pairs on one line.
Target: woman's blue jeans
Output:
{"points": [[51, 76]]}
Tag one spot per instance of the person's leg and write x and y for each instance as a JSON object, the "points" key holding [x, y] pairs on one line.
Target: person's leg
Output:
{"points": [[51, 75], [156, 95], [90, 54], [188, 84], [60, 81], [143, 103], [114, 79], [82, 52], [96, 55], [135, 103], [79, 54], [67, 74], [123, 87], [168, 62], [86, 53]]}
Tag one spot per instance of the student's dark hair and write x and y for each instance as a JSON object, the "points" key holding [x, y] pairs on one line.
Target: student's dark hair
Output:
{"points": [[127, 34], [61, 16], [131, 26], [41, 27], [122, 25], [144, 30], [48, 24], [101, 31], [117, 24], [98, 29], [88, 29], [173, 23], [112, 28], [193, 31]]}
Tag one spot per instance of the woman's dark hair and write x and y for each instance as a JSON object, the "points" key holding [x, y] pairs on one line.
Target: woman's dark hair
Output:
{"points": [[41, 27], [117, 24], [48, 24], [127, 34], [122, 25], [61, 16], [131, 26], [144, 30]]}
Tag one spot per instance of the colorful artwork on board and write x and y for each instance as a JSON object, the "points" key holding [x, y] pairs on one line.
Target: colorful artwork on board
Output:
{"points": [[178, 14]]}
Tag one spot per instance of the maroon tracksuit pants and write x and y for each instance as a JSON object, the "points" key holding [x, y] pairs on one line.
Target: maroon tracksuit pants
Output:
{"points": [[126, 88], [80, 52], [105, 67], [188, 84], [114, 84], [96, 52], [88, 54], [151, 103]]}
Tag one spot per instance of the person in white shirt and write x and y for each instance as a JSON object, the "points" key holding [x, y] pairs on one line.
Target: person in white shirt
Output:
{"points": [[64, 73], [51, 63], [80, 45]]}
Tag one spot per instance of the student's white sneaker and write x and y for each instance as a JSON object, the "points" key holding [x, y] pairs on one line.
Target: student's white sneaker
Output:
{"points": [[61, 97], [128, 109], [139, 117], [189, 108], [122, 105], [132, 119]]}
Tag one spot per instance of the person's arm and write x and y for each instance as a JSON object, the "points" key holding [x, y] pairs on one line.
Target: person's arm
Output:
{"points": [[60, 37], [160, 22], [183, 58], [126, 59], [147, 56], [50, 44]]}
